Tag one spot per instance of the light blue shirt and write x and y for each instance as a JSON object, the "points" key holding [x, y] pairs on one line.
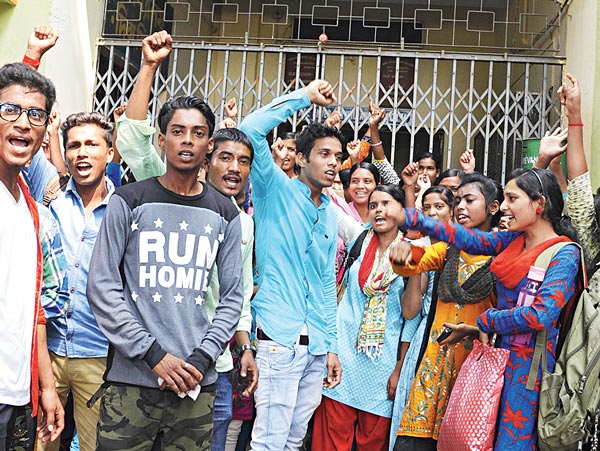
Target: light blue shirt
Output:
{"points": [[76, 333], [295, 242], [38, 174]]}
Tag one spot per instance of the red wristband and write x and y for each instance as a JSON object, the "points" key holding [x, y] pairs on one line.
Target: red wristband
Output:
{"points": [[576, 124], [31, 62]]}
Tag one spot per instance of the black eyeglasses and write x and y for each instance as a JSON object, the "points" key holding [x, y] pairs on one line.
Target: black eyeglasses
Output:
{"points": [[11, 112]]}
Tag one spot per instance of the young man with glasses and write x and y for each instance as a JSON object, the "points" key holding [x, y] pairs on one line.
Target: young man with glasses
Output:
{"points": [[25, 369]]}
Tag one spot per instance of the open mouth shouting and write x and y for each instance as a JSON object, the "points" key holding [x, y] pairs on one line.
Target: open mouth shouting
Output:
{"points": [[232, 181], [21, 145], [19, 140], [83, 167], [186, 155], [330, 175], [379, 220], [462, 218]]}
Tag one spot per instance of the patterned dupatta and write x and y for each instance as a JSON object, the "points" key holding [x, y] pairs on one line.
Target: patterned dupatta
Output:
{"points": [[375, 277]]}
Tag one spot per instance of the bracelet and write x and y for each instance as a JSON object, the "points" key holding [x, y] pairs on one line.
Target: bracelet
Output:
{"points": [[376, 144], [248, 347], [565, 195], [31, 62], [576, 124]]}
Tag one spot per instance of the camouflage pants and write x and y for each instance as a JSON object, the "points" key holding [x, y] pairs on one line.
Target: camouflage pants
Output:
{"points": [[134, 418]]}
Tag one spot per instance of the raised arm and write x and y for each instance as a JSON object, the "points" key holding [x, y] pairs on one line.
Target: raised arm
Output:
{"points": [[580, 201], [155, 49], [467, 161], [259, 123], [410, 176], [134, 136], [570, 98], [56, 154], [387, 171], [377, 116], [41, 39], [473, 241]]}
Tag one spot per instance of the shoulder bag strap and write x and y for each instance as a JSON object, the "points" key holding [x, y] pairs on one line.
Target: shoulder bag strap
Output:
{"points": [[540, 351]]}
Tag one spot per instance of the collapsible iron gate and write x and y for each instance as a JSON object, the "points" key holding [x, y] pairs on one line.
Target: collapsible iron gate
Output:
{"points": [[435, 101]]}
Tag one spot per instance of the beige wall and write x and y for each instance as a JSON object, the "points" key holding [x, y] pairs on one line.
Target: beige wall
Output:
{"points": [[16, 23], [70, 64], [582, 43]]}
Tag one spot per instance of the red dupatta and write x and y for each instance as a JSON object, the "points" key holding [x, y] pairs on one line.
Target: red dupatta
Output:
{"points": [[39, 311], [512, 265]]}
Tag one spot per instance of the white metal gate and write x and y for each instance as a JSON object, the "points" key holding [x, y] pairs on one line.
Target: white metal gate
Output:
{"points": [[436, 101]]}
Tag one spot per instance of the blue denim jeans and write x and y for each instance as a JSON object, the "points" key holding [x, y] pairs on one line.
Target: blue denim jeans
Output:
{"points": [[223, 411], [290, 382]]}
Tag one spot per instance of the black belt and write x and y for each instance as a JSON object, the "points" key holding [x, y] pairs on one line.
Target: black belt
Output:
{"points": [[262, 336]]}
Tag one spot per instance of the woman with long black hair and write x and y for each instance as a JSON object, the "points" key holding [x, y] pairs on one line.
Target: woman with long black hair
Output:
{"points": [[534, 204]]}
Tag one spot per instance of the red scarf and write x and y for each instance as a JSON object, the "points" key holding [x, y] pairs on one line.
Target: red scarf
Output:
{"points": [[368, 260], [39, 312], [513, 263]]}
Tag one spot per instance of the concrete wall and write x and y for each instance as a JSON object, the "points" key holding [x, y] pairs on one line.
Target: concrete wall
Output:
{"points": [[16, 23], [582, 41], [71, 63]]}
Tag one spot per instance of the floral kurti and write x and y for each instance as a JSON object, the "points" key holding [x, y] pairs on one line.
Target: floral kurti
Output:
{"points": [[437, 372], [518, 407]]}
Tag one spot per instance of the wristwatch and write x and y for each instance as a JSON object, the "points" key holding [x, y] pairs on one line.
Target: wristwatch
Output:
{"points": [[366, 139], [248, 347]]}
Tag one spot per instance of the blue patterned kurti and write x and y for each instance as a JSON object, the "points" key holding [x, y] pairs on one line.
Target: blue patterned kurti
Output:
{"points": [[364, 382], [409, 368]]}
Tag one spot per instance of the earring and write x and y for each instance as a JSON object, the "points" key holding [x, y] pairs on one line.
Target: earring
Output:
{"points": [[538, 210]]}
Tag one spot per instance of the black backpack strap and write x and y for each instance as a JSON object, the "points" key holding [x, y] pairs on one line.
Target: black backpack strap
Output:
{"points": [[356, 248], [432, 310], [430, 318], [354, 251]]}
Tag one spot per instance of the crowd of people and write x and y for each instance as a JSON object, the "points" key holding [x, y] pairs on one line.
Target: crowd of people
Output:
{"points": [[265, 293]]}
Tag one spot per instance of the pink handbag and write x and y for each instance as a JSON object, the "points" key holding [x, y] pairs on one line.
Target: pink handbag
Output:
{"points": [[470, 419]]}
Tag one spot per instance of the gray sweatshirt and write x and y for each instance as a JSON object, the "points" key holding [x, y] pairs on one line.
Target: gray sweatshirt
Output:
{"points": [[150, 269]]}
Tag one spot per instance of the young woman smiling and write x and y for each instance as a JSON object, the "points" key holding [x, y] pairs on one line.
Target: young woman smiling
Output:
{"points": [[533, 204], [364, 177]]}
